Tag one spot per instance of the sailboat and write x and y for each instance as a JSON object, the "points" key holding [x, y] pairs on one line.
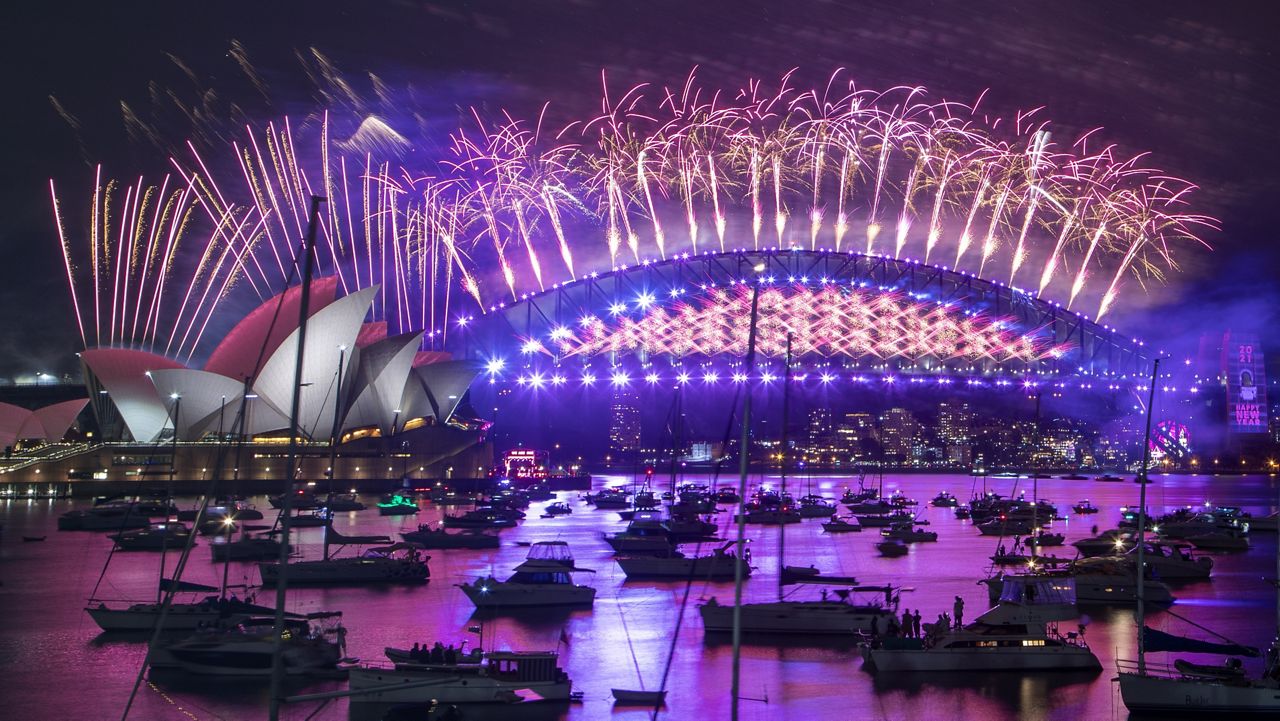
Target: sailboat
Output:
{"points": [[1187, 687], [830, 614]]}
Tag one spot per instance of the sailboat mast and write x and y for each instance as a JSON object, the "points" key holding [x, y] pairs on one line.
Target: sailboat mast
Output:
{"points": [[333, 448], [286, 504], [1142, 522], [168, 497], [743, 462], [782, 466]]}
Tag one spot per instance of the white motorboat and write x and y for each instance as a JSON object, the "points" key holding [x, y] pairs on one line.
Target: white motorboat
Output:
{"points": [[544, 579], [832, 614], [1220, 540], [1101, 581], [1173, 562], [398, 563], [719, 564], [1018, 634], [499, 677]]}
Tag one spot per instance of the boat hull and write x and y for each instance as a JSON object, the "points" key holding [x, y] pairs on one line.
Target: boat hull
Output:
{"points": [[1031, 658], [1154, 694], [347, 570], [181, 617], [449, 689], [706, 567], [787, 617], [523, 595]]}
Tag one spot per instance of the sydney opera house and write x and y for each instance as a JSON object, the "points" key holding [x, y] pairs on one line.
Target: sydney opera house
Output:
{"points": [[394, 411]]}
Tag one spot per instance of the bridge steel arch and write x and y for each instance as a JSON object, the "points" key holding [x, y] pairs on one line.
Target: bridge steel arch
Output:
{"points": [[1091, 349]]}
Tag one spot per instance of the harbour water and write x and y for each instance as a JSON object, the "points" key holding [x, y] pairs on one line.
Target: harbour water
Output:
{"points": [[56, 664]]}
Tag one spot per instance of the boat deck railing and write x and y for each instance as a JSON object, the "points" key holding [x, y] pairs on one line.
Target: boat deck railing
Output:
{"points": [[1161, 670]]}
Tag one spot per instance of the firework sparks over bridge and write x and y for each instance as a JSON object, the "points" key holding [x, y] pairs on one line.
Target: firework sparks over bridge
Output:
{"points": [[516, 208]]}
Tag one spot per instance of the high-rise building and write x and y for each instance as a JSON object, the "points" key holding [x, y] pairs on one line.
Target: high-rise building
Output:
{"points": [[624, 422], [898, 431], [956, 432]]}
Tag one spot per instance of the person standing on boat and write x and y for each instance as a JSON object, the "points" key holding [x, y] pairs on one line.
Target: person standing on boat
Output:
{"points": [[907, 629], [915, 624], [958, 609], [415, 652]]}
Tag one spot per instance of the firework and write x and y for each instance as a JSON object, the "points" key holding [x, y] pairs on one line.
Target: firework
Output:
{"points": [[512, 209]]}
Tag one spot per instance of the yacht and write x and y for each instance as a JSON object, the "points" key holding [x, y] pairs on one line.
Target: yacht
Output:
{"points": [[246, 650], [480, 518], [181, 616], [544, 579], [881, 520], [906, 533], [647, 533], [428, 537], [833, 613], [397, 505], [1173, 562], [945, 499], [813, 506], [892, 548], [245, 548], [157, 537], [848, 524], [719, 564], [1086, 506], [1101, 581], [772, 516], [1105, 544], [344, 503], [1018, 634], [398, 563], [113, 516], [1221, 540], [499, 677]]}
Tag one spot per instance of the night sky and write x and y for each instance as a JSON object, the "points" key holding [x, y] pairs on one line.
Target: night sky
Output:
{"points": [[1192, 82]]}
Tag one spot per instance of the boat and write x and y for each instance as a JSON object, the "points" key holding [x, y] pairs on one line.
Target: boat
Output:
{"points": [[906, 533], [1085, 506], [428, 537], [499, 677], [314, 518], [1173, 562], [543, 579], [881, 520], [32, 539], [156, 537], [397, 563], [833, 613], [397, 505], [845, 524], [719, 564], [1105, 544], [1101, 581], [210, 611], [945, 500], [113, 516], [344, 503], [245, 548], [480, 518], [1108, 478], [1193, 688], [1004, 527], [1045, 538], [301, 501], [892, 548], [645, 534], [1018, 634], [812, 506], [629, 697], [1074, 477], [612, 498], [246, 650], [1222, 540], [559, 508], [771, 516]]}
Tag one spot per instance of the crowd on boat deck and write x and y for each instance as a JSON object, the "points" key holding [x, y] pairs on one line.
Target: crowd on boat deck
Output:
{"points": [[439, 653], [911, 627]]}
